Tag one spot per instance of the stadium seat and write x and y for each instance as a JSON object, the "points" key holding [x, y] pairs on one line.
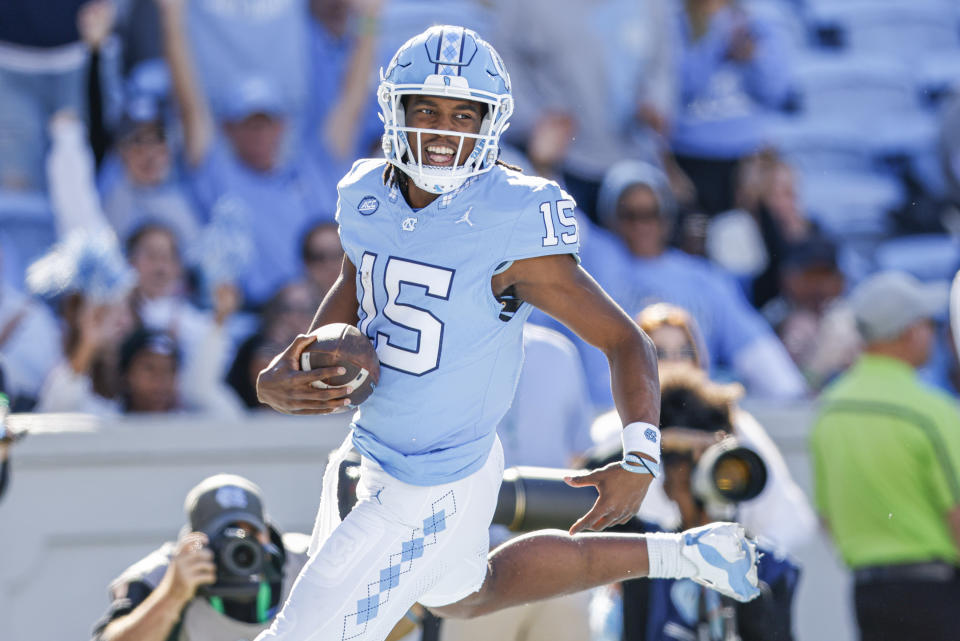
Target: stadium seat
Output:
{"points": [[784, 18], [851, 204], [902, 28], [927, 256], [820, 145], [937, 74], [855, 89], [824, 144], [26, 232]]}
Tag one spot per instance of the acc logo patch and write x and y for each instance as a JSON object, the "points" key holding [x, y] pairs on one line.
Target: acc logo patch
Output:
{"points": [[651, 435], [368, 205]]}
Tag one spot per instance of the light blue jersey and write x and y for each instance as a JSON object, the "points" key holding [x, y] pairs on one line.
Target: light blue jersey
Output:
{"points": [[449, 362]]}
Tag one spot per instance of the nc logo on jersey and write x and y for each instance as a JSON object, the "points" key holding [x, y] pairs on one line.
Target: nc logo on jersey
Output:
{"points": [[368, 205], [409, 224], [651, 435]]}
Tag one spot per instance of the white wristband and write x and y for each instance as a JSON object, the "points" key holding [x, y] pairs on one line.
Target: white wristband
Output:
{"points": [[641, 438]]}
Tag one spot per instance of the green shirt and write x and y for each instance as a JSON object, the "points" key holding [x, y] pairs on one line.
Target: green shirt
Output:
{"points": [[886, 457]]}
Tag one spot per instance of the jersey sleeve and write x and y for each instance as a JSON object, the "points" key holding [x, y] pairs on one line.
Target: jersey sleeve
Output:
{"points": [[347, 186], [358, 196], [545, 223]]}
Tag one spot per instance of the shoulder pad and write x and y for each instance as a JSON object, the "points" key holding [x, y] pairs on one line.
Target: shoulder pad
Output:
{"points": [[361, 169], [545, 216]]}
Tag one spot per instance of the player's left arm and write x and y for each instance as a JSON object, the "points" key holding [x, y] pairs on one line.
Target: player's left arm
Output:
{"points": [[557, 285]]}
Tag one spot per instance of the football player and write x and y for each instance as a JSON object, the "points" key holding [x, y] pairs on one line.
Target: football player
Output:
{"points": [[447, 251]]}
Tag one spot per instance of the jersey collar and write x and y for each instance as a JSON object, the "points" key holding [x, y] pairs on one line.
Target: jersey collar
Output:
{"points": [[394, 195]]}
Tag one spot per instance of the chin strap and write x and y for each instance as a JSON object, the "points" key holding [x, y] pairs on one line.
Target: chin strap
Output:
{"points": [[264, 596]]}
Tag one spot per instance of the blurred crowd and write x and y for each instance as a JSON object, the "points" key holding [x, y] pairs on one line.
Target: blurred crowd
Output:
{"points": [[168, 172]]}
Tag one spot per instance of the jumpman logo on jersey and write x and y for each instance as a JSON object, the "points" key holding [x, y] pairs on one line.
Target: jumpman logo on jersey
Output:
{"points": [[465, 218], [377, 495], [409, 224]]}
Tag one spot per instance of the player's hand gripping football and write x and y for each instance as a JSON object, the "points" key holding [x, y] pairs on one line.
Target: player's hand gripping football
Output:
{"points": [[285, 388], [620, 495]]}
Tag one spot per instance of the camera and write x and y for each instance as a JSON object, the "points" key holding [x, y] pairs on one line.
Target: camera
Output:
{"points": [[242, 564], [727, 474]]}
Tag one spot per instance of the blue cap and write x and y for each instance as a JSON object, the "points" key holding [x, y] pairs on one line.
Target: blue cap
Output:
{"points": [[252, 95]]}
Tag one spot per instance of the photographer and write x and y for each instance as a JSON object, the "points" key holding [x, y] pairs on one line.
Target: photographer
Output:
{"points": [[696, 416], [224, 579]]}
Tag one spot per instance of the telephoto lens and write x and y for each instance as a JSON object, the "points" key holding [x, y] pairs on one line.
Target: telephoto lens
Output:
{"points": [[534, 498], [531, 498], [726, 474]]}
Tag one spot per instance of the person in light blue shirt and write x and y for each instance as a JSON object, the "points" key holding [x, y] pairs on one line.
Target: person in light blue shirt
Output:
{"points": [[637, 268], [447, 251], [548, 423], [236, 39], [248, 163], [609, 97], [341, 122], [144, 185], [734, 72]]}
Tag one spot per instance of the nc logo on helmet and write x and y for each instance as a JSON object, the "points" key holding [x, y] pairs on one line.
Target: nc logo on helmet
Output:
{"points": [[368, 205]]}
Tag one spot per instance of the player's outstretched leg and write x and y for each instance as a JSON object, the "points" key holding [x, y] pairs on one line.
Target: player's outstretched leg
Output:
{"points": [[549, 563]]}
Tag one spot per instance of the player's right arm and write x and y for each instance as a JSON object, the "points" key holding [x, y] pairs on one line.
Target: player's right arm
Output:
{"points": [[283, 386], [154, 618]]}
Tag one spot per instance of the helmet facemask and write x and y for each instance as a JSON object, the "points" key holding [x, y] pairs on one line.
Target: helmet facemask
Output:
{"points": [[398, 147]]}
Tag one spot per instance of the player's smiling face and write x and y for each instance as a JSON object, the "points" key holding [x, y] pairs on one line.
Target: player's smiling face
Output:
{"points": [[449, 114]]}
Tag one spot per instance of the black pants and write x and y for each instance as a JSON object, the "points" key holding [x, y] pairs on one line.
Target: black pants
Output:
{"points": [[715, 180], [584, 191], [914, 610]]}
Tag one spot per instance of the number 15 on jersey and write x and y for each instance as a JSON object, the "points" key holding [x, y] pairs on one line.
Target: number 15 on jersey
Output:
{"points": [[398, 274]]}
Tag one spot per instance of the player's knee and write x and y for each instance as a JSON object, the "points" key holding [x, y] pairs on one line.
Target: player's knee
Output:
{"points": [[470, 607]]}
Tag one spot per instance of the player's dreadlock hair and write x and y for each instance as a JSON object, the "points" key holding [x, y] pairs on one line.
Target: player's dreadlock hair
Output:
{"points": [[392, 176]]}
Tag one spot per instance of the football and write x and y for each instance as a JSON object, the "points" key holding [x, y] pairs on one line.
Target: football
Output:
{"points": [[344, 345]]}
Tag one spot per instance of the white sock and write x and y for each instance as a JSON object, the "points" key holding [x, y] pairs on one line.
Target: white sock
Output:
{"points": [[664, 558]]}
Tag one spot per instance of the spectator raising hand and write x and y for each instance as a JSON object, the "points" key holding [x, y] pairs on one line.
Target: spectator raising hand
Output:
{"points": [[240, 162], [342, 126], [95, 21], [549, 140]]}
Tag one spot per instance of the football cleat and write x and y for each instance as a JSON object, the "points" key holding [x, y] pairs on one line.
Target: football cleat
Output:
{"points": [[725, 559]]}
